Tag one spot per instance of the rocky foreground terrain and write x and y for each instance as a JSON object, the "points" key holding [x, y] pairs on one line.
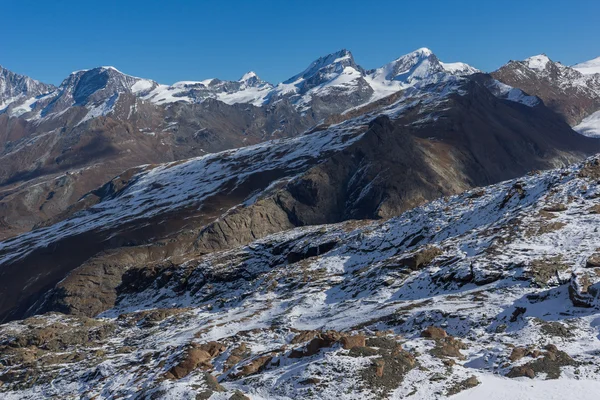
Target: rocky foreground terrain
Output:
{"points": [[498, 286]]}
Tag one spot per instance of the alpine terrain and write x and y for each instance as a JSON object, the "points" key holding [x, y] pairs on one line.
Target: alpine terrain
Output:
{"points": [[420, 230]]}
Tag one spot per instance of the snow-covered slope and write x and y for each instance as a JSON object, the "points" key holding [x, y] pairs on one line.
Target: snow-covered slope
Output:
{"points": [[590, 126], [249, 89], [172, 186], [589, 67], [494, 288]]}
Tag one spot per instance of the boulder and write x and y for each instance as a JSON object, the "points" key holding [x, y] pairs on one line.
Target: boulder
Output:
{"points": [[433, 332], [193, 358], [421, 258], [350, 342], [254, 366]]}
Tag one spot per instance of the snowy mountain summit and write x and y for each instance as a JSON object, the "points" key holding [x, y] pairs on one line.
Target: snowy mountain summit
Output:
{"points": [[330, 84]]}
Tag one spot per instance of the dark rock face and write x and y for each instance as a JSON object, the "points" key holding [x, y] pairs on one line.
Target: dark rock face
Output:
{"points": [[89, 83], [548, 362]]}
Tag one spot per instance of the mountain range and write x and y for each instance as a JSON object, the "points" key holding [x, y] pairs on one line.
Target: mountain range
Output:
{"points": [[346, 230]]}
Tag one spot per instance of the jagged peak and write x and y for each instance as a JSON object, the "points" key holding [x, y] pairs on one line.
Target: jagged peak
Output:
{"points": [[249, 75], [416, 64], [335, 61]]}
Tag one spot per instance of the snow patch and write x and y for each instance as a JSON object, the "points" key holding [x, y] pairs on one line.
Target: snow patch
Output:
{"points": [[590, 126], [589, 67]]}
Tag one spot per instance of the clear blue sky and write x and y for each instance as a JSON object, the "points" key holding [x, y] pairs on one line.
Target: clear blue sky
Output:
{"points": [[175, 40]]}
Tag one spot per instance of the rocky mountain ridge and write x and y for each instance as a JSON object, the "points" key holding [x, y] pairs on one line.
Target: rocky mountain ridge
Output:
{"points": [[567, 90]]}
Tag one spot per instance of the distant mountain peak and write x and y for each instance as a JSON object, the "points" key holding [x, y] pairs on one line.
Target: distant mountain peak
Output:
{"points": [[248, 75], [331, 63], [538, 62], [16, 89], [424, 51], [251, 79], [415, 65]]}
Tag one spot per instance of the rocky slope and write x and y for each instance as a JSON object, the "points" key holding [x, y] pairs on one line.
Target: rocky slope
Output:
{"points": [[467, 295], [573, 92]]}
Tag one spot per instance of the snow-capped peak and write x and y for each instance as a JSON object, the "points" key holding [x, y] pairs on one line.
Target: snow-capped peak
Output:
{"points": [[413, 66], [101, 83], [538, 62], [424, 51], [248, 75], [19, 91], [250, 79], [329, 64], [459, 68], [589, 67]]}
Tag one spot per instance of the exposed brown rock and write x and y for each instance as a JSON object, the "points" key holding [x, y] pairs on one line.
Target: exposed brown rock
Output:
{"points": [[448, 347], [387, 371], [558, 207], [521, 371], [324, 339], [349, 342], [239, 396], [556, 86], [422, 257], [517, 353], [303, 336], [60, 336], [590, 170], [254, 366], [468, 383], [310, 381], [213, 348], [593, 261], [212, 386], [584, 287], [549, 363], [544, 270], [433, 332], [236, 355], [595, 209], [192, 359]]}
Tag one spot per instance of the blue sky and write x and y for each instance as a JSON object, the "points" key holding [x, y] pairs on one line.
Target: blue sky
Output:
{"points": [[169, 41]]}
